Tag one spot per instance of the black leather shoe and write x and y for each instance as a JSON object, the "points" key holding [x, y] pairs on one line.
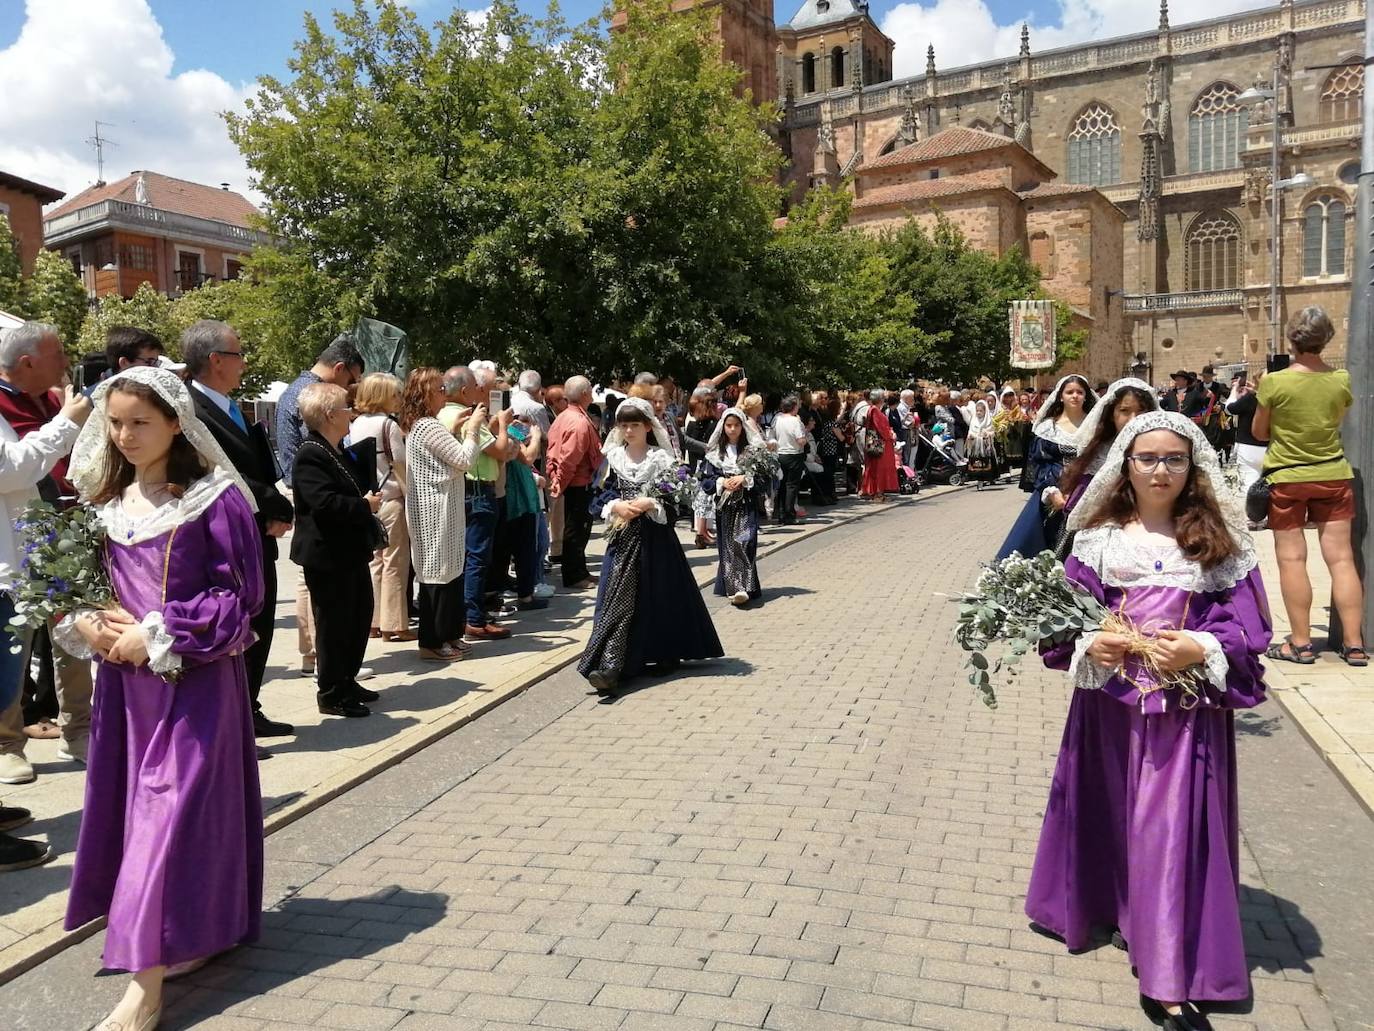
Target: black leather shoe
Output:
{"points": [[362, 694], [18, 854], [349, 709], [12, 816], [1188, 1019], [263, 727], [604, 681]]}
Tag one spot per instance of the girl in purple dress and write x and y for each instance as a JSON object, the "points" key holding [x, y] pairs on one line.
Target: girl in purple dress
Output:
{"points": [[1141, 830], [170, 847]]}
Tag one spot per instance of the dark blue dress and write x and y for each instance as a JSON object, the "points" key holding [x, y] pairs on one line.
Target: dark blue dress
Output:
{"points": [[648, 606], [737, 533], [1038, 526]]}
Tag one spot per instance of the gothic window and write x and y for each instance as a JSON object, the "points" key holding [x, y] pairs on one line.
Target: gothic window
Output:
{"points": [[837, 67], [1212, 249], [1340, 100], [1216, 129], [809, 73], [1095, 148], [1323, 238]]}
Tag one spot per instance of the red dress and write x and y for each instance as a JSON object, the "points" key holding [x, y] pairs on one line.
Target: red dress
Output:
{"points": [[880, 472]]}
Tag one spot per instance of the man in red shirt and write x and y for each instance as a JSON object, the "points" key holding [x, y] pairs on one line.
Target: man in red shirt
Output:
{"points": [[29, 375], [574, 455]]}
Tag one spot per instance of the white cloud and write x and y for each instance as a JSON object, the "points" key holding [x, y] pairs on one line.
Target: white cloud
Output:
{"points": [[967, 32], [75, 62]]}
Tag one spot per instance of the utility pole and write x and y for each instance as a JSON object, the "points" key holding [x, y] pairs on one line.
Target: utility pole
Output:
{"points": [[1359, 424]]}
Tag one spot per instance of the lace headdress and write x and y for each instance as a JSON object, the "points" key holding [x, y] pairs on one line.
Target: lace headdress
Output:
{"points": [[1044, 412], [616, 438], [752, 436], [89, 457], [1093, 419]]}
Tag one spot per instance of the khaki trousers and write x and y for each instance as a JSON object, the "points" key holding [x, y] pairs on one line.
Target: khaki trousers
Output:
{"points": [[74, 688], [556, 526], [391, 571]]}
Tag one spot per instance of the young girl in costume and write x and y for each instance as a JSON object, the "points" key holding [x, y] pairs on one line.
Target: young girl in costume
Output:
{"points": [[1053, 443], [170, 847], [738, 503], [1140, 831], [649, 609]]}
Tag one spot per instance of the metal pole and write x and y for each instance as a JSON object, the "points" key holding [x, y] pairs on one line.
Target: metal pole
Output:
{"points": [[1359, 424], [1275, 266]]}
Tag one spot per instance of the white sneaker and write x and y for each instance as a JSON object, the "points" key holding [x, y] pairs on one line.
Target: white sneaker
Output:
{"points": [[544, 591], [739, 598], [15, 769], [365, 673], [73, 752]]}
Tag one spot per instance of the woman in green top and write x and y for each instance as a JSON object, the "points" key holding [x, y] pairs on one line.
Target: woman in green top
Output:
{"points": [[522, 512], [1300, 412]]}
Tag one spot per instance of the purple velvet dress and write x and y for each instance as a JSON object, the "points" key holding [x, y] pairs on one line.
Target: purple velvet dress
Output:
{"points": [[1141, 828], [170, 845]]}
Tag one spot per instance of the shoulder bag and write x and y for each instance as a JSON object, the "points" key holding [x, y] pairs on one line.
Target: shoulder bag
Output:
{"points": [[1257, 497]]}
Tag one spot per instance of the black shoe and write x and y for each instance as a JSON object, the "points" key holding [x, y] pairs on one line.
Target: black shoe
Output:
{"points": [[264, 727], [351, 709], [11, 816], [532, 604], [362, 694], [1119, 941], [1188, 1019], [604, 681], [18, 854]]}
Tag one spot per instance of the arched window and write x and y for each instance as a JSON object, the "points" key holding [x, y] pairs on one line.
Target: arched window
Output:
{"points": [[837, 67], [1323, 237], [1212, 248], [1216, 129], [809, 73], [1340, 100], [1095, 148]]}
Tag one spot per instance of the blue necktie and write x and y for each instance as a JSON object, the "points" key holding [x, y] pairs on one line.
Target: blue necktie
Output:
{"points": [[236, 414]]}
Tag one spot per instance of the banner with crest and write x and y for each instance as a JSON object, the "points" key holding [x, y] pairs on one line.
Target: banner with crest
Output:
{"points": [[1032, 334]]}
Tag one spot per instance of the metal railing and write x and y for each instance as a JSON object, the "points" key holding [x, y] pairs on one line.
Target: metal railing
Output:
{"points": [[141, 216], [1184, 301]]}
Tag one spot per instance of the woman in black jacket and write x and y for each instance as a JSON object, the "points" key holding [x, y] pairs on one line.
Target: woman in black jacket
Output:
{"points": [[333, 542]]}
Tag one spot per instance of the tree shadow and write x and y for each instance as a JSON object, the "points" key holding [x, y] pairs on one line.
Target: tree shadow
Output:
{"points": [[725, 667], [789, 591], [302, 938], [1278, 938], [1252, 724]]}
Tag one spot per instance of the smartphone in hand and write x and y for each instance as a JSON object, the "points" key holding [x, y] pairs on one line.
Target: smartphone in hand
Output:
{"points": [[494, 404]]}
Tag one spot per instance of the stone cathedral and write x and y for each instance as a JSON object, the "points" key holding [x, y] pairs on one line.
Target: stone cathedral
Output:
{"points": [[1137, 171]]}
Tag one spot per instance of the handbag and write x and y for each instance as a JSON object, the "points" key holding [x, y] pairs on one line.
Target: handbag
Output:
{"points": [[1257, 497], [378, 538]]}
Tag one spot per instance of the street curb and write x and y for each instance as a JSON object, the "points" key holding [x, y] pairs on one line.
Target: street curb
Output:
{"points": [[1349, 769], [41, 946]]}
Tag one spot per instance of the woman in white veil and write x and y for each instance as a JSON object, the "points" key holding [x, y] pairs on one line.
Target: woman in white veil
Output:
{"points": [[170, 847], [649, 610], [727, 476]]}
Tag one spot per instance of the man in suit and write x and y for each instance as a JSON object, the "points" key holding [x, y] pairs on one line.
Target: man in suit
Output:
{"points": [[214, 358]]}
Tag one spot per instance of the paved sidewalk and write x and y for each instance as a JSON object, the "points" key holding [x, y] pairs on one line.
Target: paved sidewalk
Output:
{"points": [[420, 703], [824, 831], [1331, 702]]}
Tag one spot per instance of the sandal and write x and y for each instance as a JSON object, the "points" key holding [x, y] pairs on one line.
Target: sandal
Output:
{"points": [[1303, 655], [43, 730], [1355, 655]]}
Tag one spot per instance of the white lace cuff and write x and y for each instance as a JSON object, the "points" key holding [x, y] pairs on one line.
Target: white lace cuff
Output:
{"points": [[67, 637], [160, 657], [1214, 663], [657, 513], [720, 482], [606, 510], [1046, 493], [1083, 672]]}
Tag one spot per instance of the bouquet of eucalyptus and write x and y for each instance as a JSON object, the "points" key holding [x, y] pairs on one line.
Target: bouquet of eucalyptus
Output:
{"points": [[61, 569], [677, 488], [1028, 603], [760, 463]]}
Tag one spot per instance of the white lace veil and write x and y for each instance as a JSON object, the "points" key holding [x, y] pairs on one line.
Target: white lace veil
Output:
{"points": [[1044, 412], [1093, 419], [660, 435], [1204, 458], [88, 462], [752, 436]]}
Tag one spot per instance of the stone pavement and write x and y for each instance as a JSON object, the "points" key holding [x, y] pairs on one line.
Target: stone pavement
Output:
{"points": [[1331, 702], [824, 831]]}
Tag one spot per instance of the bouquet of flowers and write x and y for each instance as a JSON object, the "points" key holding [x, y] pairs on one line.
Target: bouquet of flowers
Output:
{"points": [[61, 570], [761, 464], [678, 489], [1026, 603]]}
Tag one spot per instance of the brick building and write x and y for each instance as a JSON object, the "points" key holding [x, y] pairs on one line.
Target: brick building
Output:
{"points": [[1159, 123], [21, 201], [152, 228]]}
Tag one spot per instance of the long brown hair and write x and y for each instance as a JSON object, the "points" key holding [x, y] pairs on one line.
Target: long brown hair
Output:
{"points": [[1199, 526], [1103, 437], [184, 463], [415, 397]]}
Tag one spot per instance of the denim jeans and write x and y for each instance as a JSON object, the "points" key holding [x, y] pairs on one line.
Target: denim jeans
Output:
{"points": [[11, 663], [480, 507]]}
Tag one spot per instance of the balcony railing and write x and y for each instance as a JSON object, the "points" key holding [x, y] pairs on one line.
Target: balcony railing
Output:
{"points": [[1184, 301], [141, 217]]}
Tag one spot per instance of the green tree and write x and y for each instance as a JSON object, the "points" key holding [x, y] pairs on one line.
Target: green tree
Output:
{"points": [[146, 309], [252, 310], [11, 271], [55, 293]]}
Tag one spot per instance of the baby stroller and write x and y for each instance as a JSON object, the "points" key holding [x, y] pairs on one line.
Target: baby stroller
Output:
{"points": [[936, 463], [906, 480]]}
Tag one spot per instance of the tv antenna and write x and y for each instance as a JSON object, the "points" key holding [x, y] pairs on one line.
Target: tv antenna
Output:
{"points": [[100, 143]]}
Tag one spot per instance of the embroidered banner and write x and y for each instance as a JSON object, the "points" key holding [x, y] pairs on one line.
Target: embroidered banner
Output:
{"points": [[1032, 334]]}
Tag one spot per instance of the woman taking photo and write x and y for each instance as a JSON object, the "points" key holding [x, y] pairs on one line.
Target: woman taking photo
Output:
{"points": [[435, 464], [1300, 411], [170, 847], [649, 610], [376, 404], [738, 503], [1141, 828]]}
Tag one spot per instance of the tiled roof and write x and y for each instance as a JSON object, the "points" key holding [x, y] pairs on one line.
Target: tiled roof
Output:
{"points": [[168, 194], [948, 143], [45, 194], [1045, 190], [929, 189]]}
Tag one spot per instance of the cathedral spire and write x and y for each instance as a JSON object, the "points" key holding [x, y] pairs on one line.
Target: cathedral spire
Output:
{"points": [[1025, 40], [930, 61], [1163, 15]]}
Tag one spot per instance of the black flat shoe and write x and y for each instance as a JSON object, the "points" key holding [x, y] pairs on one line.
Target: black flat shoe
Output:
{"points": [[1119, 941], [353, 710], [264, 727], [604, 681], [12, 816], [1187, 1019], [362, 694], [18, 854]]}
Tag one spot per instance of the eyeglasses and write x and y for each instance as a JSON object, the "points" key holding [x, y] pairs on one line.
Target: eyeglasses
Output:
{"points": [[1148, 463], [146, 362], [232, 354]]}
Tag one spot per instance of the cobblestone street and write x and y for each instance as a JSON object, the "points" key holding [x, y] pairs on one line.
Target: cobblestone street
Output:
{"points": [[825, 831]]}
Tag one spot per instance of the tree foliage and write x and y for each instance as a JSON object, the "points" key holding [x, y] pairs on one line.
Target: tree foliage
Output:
{"points": [[146, 309], [56, 294]]}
